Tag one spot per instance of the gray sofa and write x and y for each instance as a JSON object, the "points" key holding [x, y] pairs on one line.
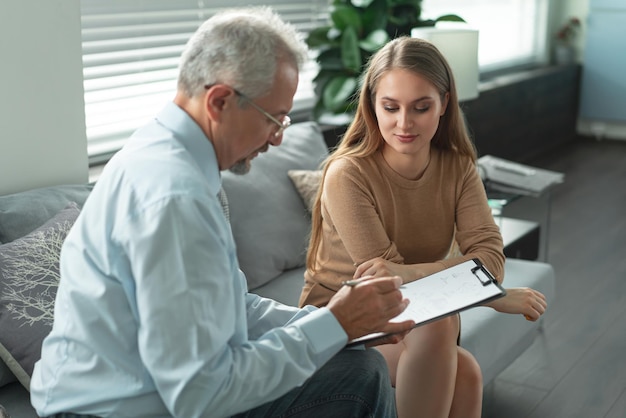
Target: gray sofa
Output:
{"points": [[270, 222]]}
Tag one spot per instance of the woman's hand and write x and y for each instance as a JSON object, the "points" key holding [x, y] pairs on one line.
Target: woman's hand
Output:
{"points": [[379, 267], [521, 300]]}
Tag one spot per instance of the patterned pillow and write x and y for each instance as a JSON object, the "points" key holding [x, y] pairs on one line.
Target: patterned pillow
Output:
{"points": [[23, 212], [29, 277]]}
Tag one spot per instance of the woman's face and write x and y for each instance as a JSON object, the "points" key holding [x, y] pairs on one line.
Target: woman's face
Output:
{"points": [[408, 108]]}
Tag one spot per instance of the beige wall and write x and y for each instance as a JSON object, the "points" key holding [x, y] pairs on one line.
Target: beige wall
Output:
{"points": [[42, 122]]}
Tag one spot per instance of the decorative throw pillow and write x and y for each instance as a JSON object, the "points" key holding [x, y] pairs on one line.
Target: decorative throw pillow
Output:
{"points": [[29, 278], [23, 212], [306, 182]]}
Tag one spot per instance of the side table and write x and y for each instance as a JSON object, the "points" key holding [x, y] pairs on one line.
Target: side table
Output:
{"points": [[534, 209], [521, 238]]}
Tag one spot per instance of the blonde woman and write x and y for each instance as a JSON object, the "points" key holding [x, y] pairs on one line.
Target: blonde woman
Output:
{"points": [[397, 194]]}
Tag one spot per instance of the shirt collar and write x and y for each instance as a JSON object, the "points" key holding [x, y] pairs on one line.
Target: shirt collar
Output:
{"points": [[191, 136]]}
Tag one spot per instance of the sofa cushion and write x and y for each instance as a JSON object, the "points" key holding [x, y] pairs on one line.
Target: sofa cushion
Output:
{"points": [[285, 288], [6, 375], [29, 277], [22, 213], [268, 218]]}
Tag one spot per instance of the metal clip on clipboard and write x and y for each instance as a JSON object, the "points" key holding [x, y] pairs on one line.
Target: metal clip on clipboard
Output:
{"points": [[480, 270]]}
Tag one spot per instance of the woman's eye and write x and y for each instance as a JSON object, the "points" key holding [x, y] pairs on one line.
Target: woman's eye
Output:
{"points": [[417, 109]]}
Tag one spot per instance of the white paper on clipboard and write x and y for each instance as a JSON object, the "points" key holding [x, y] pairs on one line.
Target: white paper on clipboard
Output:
{"points": [[444, 293]]}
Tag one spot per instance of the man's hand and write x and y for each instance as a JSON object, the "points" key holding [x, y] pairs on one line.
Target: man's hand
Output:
{"points": [[521, 300], [368, 306]]}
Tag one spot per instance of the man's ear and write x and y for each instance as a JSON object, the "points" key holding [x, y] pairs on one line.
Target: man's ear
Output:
{"points": [[217, 99]]}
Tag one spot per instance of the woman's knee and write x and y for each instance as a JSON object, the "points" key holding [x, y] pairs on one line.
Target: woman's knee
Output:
{"points": [[438, 333], [468, 369]]}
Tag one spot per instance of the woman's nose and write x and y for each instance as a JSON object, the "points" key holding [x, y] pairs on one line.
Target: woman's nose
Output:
{"points": [[404, 119]]}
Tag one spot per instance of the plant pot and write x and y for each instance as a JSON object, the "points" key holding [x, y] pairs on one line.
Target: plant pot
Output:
{"points": [[564, 54]]}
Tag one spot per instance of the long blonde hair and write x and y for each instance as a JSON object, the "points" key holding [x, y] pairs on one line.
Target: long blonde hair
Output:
{"points": [[363, 137]]}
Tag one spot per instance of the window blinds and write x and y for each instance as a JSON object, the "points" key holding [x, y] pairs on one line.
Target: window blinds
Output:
{"points": [[131, 50]]}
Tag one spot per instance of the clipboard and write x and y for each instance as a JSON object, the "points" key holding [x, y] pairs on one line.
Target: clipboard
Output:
{"points": [[445, 293]]}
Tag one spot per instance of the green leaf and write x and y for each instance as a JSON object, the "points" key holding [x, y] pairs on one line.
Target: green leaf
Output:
{"points": [[318, 37], [350, 52], [322, 78], [344, 16], [403, 15], [428, 23], [375, 40], [416, 4], [330, 59], [338, 91], [450, 18], [375, 16]]}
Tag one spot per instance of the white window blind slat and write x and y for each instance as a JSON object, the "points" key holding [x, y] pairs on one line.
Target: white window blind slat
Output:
{"points": [[95, 84]]}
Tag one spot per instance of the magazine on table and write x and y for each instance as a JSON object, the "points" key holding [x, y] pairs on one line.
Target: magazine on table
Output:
{"points": [[511, 177]]}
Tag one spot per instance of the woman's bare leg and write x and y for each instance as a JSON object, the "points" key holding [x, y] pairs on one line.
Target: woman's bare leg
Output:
{"points": [[468, 392], [424, 369]]}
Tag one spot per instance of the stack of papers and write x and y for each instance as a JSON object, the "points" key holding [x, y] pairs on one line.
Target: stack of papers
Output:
{"points": [[510, 177]]}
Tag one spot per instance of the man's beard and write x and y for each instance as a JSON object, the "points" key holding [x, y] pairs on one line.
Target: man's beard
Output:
{"points": [[243, 166], [240, 167]]}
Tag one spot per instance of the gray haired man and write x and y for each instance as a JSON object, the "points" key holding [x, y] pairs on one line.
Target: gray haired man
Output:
{"points": [[152, 316]]}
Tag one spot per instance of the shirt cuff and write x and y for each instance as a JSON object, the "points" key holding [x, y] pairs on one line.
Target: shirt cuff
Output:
{"points": [[323, 331]]}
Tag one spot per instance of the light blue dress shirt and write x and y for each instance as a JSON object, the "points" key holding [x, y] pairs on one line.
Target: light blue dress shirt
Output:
{"points": [[152, 315]]}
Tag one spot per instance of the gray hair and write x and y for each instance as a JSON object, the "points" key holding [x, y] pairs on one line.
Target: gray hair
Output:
{"points": [[241, 48]]}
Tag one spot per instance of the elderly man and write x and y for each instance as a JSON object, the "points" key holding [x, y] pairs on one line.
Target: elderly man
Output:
{"points": [[152, 316]]}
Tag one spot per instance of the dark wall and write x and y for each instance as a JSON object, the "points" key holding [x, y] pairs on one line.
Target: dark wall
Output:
{"points": [[518, 116]]}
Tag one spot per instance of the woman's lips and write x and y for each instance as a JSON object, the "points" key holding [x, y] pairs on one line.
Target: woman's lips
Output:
{"points": [[406, 137]]}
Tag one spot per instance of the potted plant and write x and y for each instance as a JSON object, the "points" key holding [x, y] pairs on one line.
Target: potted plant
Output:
{"points": [[357, 29], [564, 50]]}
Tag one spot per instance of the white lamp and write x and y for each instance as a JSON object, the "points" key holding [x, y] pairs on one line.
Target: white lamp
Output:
{"points": [[459, 44]]}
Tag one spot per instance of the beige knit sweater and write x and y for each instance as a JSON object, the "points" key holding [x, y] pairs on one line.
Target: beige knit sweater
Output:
{"points": [[369, 211]]}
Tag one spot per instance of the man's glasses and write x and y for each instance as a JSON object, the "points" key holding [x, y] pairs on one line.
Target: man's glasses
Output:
{"points": [[286, 122]]}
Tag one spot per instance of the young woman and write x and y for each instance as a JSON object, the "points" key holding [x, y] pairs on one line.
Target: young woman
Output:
{"points": [[399, 192]]}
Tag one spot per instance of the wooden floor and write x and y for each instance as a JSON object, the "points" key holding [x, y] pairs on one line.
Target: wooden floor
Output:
{"points": [[578, 366]]}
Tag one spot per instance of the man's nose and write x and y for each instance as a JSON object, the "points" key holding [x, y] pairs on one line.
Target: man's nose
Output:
{"points": [[276, 140]]}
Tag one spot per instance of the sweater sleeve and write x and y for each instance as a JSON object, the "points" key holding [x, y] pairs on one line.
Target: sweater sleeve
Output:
{"points": [[350, 208], [477, 233]]}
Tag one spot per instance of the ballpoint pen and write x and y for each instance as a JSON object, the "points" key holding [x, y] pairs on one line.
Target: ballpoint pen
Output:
{"points": [[350, 283], [354, 282]]}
